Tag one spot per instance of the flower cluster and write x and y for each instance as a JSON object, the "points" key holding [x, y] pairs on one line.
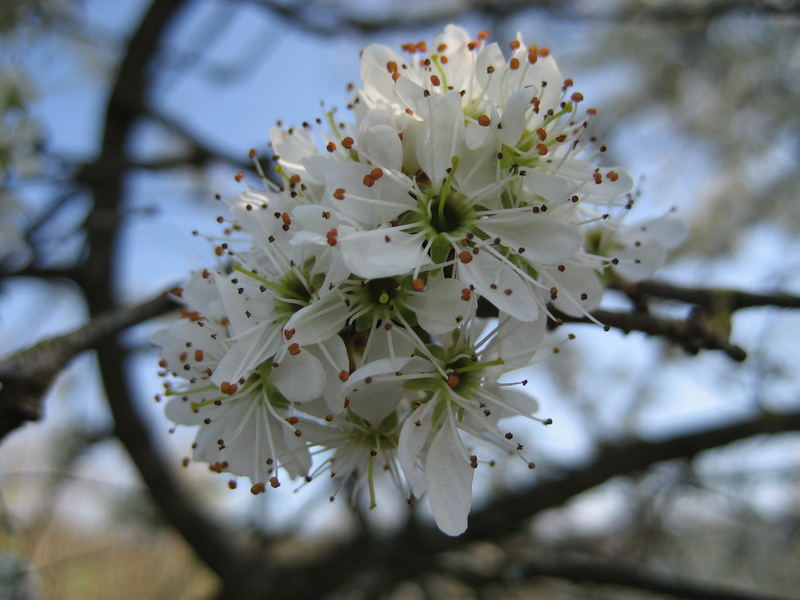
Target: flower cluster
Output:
{"points": [[347, 318]]}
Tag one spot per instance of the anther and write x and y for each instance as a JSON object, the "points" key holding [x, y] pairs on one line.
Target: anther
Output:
{"points": [[332, 236]]}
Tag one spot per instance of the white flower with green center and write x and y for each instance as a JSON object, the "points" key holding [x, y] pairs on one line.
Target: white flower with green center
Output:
{"points": [[251, 429], [361, 451], [458, 391], [246, 427]]}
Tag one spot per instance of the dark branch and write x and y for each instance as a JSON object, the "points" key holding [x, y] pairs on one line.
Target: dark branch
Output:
{"points": [[612, 574], [26, 376], [693, 334], [710, 298]]}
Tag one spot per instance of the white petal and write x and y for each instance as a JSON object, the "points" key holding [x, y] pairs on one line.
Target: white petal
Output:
{"points": [[514, 115], [249, 351], [299, 378], [442, 135], [440, 307], [410, 445], [493, 279], [379, 253], [383, 146], [517, 341], [296, 459], [293, 148], [378, 83], [552, 187], [449, 478], [571, 284], [179, 410], [546, 240], [640, 262], [374, 400], [667, 231], [318, 321]]}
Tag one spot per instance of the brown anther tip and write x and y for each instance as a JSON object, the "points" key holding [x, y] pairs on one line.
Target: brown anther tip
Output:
{"points": [[185, 462], [541, 149], [513, 64], [228, 388], [239, 176], [292, 420], [376, 173], [331, 147], [348, 142], [418, 284], [483, 35], [252, 153], [294, 349], [576, 97], [273, 481], [332, 236], [369, 180], [453, 380], [343, 376], [484, 121], [465, 257], [258, 488], [339, 194]]}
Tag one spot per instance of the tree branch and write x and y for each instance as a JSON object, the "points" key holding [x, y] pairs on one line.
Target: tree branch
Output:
{"points": [[693, 334], [612, 574], [710, 298], [26, 375]]}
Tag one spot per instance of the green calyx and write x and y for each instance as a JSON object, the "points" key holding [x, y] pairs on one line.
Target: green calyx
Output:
{"points": [[384, 436]]}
